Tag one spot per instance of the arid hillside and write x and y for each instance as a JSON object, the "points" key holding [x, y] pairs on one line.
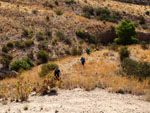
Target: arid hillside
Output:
{"points": [[36, 16]]}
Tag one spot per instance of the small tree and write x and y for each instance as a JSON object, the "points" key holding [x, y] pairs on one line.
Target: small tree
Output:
{"points": [[126, 32]]}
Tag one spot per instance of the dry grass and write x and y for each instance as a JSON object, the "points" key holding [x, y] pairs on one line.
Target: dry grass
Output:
{"points": [[102, 69]]}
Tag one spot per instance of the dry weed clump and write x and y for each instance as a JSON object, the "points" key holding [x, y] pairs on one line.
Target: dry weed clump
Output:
{"points": [[48, 85]]}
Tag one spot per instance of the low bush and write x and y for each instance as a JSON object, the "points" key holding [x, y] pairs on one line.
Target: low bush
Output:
{"points": [[139, 69], [59, 12], [5, 49], [5, 75], [54, 41], [144, 45], [86, 15], [40, 36], [20, 44], [29, 42], [147, 13], [43, 46], [47, 68], [70, 2], [10, 44], [27, 33], [68, 41], [124, 53], [24, 64], [88, 9], [6, 60], [60, 35], [142, 20], [42, 57], [90, 38]]}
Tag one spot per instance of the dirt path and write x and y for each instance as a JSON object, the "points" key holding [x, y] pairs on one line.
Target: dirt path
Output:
{"points": [[79, 101]]}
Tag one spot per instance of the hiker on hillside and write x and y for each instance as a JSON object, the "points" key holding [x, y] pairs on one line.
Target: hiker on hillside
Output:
{"points": [[82, 60], [88, 51], [57, 74]]}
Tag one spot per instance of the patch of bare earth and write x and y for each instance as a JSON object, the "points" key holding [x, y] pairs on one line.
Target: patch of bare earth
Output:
{"points": [[79, 101]]}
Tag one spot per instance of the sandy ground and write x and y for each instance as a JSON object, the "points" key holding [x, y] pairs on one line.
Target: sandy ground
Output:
{"points": [[79, 101]]}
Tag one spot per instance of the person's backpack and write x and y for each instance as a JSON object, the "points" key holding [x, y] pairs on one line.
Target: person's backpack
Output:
{"points": [[82, 59]]}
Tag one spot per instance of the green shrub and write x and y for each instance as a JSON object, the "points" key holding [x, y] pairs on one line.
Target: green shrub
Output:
{"points": [[5, 49], [5, 75], [47, 68], [131, 67], [27, 33], [58, 12], [69, 2], [90, 38], [23, 64], [40, 36], [144, 45], [43, 46], [68, 41], [29, 42], [56, 2], [10, 44], [86, 15], [125, 32], [54, 41], [20, 44], [124, 53], [100, 11], [29, 61], [6, 59], [60, 35], [142, 20], [88, 9], [42, 57], [147, 13]]}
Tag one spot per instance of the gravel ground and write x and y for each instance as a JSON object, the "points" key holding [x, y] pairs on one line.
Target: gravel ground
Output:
{"points": [[79, 101]]}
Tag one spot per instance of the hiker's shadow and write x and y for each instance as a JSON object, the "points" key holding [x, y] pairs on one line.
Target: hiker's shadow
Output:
{"points": [[52, 93]]}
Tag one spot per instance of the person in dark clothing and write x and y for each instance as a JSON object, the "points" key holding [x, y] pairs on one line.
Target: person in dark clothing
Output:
{"points": [[57, 74], [88, 51], [82, 60]]}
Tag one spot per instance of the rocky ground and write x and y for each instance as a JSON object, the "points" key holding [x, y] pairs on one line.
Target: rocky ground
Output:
{"points": [[79, 101]]}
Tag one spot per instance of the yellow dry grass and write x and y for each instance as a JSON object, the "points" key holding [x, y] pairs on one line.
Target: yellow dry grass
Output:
{"points": [[102, 69]]}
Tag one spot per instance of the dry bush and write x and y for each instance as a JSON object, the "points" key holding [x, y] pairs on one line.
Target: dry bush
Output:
{"points": [[23, 90], [48, 85]]}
